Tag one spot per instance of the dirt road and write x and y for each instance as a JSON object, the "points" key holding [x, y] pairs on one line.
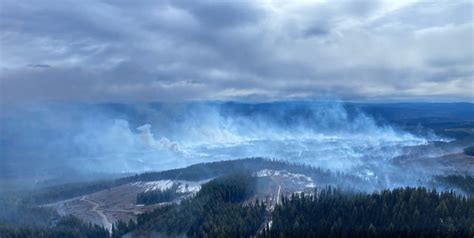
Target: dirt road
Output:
{"points": [[278, 196], [95, 208], [270, 208]]}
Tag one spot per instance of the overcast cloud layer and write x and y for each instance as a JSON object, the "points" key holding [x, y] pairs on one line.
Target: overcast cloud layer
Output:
{"points": [[128, 51]]}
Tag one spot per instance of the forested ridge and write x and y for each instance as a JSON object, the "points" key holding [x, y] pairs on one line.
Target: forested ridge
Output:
{"points": [[405, 212], [220, 168], [217, 210], [191, 173], [226, 207], [221, 209]]}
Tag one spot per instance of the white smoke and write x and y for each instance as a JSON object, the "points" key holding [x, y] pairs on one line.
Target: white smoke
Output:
{"points": [[143, 138], [148, 139], [330, 139]]}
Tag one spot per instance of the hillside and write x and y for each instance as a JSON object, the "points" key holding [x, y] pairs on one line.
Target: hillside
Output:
{"points": [[246, 197]]}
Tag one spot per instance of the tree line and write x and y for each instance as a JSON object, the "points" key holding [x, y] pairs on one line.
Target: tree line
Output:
{"points": [[158, 196]]}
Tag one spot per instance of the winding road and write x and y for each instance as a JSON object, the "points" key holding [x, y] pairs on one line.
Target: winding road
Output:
{"points": [[105, 221]]}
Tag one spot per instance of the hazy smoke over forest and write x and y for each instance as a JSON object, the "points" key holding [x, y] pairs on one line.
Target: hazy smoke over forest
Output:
{"points": [[117, 138]]}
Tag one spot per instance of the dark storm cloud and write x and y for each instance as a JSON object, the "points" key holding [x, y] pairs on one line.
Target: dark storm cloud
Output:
{"points": [[235, 50]]}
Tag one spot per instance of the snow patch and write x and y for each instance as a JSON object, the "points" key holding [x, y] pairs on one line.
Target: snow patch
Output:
{"points": [[155, 185], [294, 177], [182, 186], [282, 173]]}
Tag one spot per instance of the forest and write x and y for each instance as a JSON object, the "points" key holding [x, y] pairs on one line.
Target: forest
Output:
{"points": [[403, 212], [218, 210], [226, 207], [68, 226]]}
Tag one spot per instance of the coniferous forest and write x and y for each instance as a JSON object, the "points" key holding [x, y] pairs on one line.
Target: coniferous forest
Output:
{"points": [[70, 227], [404, 212], [217, 211]]}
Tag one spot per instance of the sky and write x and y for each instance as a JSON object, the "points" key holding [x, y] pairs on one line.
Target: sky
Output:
{"points": [[143, 51]]}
